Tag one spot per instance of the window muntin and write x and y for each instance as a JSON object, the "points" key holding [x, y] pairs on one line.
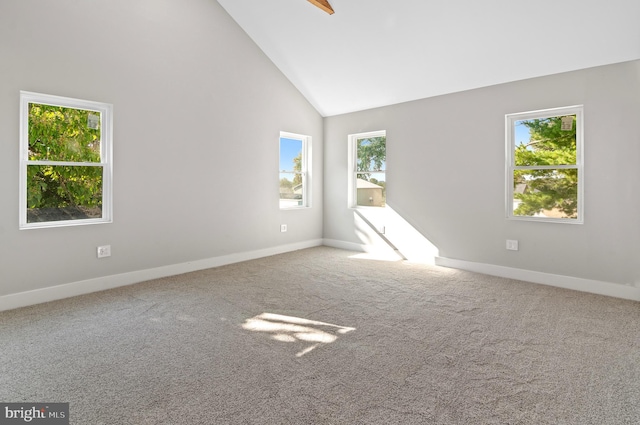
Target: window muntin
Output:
{"points": [[368, 163], [294, 170], [65, 169], [544, 165]]}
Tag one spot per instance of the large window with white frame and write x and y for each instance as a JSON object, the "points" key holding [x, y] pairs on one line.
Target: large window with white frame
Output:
{"points": [[65, 161], [295, 170], [367, 158], [545, 166]]}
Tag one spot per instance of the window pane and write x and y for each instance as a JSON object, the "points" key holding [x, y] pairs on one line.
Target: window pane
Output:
{"points": [[291, 189], [57, 133], [546, 193], [546, 141], [290, 155], [372, 154], [57, 193], [371, 189]]}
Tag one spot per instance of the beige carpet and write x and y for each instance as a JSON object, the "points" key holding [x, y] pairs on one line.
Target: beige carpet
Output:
{"points": [[320, 336]]}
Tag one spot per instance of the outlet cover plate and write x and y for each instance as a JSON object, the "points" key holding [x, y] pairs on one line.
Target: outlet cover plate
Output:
{"points": [[512, 245], [104, 251]]}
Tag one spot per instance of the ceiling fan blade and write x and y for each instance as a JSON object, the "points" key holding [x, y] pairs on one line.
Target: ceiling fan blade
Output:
{"points": [[322, 4]]}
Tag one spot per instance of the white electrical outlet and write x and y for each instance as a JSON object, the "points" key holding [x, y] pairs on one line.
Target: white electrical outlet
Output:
{"points": [[104, 251], [283, 228], [512, 245]]}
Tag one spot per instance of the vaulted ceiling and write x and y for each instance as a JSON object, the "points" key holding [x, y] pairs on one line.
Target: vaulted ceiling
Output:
{"points": [[374, 53]]}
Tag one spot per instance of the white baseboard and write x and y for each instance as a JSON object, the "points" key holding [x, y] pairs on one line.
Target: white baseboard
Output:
{"points": [[568, 282], [351, 246], [37, 296]]}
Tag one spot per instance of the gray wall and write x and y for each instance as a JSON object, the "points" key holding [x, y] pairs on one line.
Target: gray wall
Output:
{"points": [[197, 114], [446, 174], [198, 108]]}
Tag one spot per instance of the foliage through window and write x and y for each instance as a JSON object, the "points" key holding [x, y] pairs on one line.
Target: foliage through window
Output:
{"points": [[294, 170], [368, 162], [544, 165], [66, 161]]}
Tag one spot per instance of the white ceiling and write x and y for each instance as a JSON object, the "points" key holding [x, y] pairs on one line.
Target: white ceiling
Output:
{"points": [[373, 53]]}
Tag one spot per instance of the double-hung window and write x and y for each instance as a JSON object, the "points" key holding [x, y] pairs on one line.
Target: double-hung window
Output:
{"points": [[295, 170], [367, 158], [65, 161], [545, 165]]}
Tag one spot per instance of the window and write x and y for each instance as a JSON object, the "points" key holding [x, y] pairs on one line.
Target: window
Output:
{"points": [[295, 151], [367, 161], [545, 165], [65, 161]]}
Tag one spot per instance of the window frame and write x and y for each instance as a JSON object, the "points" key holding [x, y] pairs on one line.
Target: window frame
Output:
{"points": [[305, 172], [352, 158], [106, 156], [510, 120]]}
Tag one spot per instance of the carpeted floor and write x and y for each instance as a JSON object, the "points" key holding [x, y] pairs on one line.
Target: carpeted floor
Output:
{"points": [[322, 336]]}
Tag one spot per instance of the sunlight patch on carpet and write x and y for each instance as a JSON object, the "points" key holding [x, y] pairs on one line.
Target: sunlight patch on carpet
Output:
{"points": [[296, 329]]}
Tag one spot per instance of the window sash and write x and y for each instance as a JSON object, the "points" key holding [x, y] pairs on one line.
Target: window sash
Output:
{"points": [[68, 163], [353, 139], [304, 173], [105, 161], [510, 121]]}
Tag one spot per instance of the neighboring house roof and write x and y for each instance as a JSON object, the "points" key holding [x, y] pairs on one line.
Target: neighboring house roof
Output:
{"points": [[520, 188], [363, 184]]}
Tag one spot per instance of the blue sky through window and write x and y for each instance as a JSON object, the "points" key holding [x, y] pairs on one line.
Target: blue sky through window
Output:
{"points": [[289, 149], [523, 135]]}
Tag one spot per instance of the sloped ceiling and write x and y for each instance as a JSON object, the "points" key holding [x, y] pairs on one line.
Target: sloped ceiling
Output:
{"points": [[374, 53]]}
